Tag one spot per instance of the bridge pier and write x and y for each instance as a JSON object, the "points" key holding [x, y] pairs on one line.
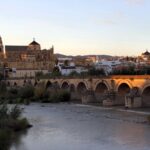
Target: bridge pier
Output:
{"points": [[110, 98], [135, 102], [88, 97], [108, 102]]}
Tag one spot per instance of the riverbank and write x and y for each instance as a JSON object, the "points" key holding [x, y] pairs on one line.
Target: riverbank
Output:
{"points": [[144, 111], [10, 123]]}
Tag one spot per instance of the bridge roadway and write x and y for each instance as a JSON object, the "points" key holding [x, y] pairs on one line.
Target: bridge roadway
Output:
{"points": [[121, 84]]}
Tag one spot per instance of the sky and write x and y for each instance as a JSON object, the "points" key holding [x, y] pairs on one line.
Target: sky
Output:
{"points": [[78, 27]]}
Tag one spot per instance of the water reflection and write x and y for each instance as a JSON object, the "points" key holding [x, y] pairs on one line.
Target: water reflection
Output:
{"points": [[71, 127], [131, 135], [17, 139]]}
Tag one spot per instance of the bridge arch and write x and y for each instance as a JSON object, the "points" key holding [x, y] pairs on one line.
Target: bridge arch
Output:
{"points": [[100, 91], [65, 85], [146, 95], [81, 87], [101, 83], [64, 81], [123, 82], [122, 89], [144, 87], [15, 84]]}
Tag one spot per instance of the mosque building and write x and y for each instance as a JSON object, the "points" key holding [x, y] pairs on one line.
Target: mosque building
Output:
{"points": [[27, 59]]}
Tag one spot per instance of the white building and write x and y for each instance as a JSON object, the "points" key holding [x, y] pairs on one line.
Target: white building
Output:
{"points": [[67, 70], [108, 66], [69, 60]]}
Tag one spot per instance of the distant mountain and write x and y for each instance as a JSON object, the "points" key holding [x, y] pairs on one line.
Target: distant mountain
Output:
{"points": [[101, 56], [62, 55]]}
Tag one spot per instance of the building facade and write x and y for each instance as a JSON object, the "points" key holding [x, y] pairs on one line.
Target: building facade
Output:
{"points": [[28, 57]]}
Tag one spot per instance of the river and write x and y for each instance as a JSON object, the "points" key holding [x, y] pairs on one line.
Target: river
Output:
{"points": [[79, 127]]}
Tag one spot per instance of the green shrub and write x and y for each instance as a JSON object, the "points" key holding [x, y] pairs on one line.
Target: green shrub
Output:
{"points": [[3, 88], [13, 90], [10, 122], [23, 123], [26, 91], [94, 72], [26, 101], [39, 74], [5, 139], [3, 91], [59, 96], [15, 112], [3, 111], [148, 119], [54, 98], [19, 100], [64, 96], [12, 95], [33, 99], [39, 92], [19, 124], [74, 74]]}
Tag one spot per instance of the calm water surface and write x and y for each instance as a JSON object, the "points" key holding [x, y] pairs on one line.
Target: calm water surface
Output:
{"points": [[77, 127]]}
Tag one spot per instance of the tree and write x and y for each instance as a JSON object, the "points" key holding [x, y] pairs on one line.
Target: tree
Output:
{"points": [[56, 71], [94, 72], [66, 63], [1, 76]]}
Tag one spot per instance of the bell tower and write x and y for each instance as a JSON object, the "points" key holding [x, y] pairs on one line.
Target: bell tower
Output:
{"points": [[1, 45]]}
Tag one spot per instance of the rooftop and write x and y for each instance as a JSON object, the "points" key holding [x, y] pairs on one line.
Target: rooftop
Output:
{"points": [[15, 48], [34, 43], [146, 53]]}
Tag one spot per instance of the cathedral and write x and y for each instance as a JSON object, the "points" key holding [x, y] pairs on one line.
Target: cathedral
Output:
{"points": [[28, 57]]}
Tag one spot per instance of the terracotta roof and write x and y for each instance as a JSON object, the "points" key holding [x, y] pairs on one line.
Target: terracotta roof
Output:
{"points": [[15, 48]]}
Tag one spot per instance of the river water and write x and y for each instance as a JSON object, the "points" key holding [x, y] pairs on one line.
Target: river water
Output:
{"points": [[80, 127]]}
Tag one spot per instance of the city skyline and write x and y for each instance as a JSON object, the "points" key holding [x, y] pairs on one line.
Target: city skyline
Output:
{"points": [[112, 27]]}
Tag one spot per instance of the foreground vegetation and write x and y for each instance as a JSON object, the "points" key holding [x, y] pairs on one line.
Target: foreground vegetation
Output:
{"points": [[28, 93], [10, 115], [10, 123]]}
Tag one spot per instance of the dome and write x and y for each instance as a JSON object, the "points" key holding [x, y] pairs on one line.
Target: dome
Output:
{"points": [[34, 43], [146, 53]]}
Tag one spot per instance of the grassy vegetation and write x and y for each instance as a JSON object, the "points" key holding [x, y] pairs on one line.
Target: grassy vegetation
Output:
{"points": [[57, 96], [10, 115], [29, 93], [10, 123]]}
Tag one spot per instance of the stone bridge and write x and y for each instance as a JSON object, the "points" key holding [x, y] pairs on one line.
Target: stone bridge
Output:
{"points": [[121, 84]]}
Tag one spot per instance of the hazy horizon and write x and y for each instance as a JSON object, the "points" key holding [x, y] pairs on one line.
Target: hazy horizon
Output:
{"points": [[81, 27]]}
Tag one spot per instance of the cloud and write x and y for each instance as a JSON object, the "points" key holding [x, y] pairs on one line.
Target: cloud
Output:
{"points": [[135, 2]]}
